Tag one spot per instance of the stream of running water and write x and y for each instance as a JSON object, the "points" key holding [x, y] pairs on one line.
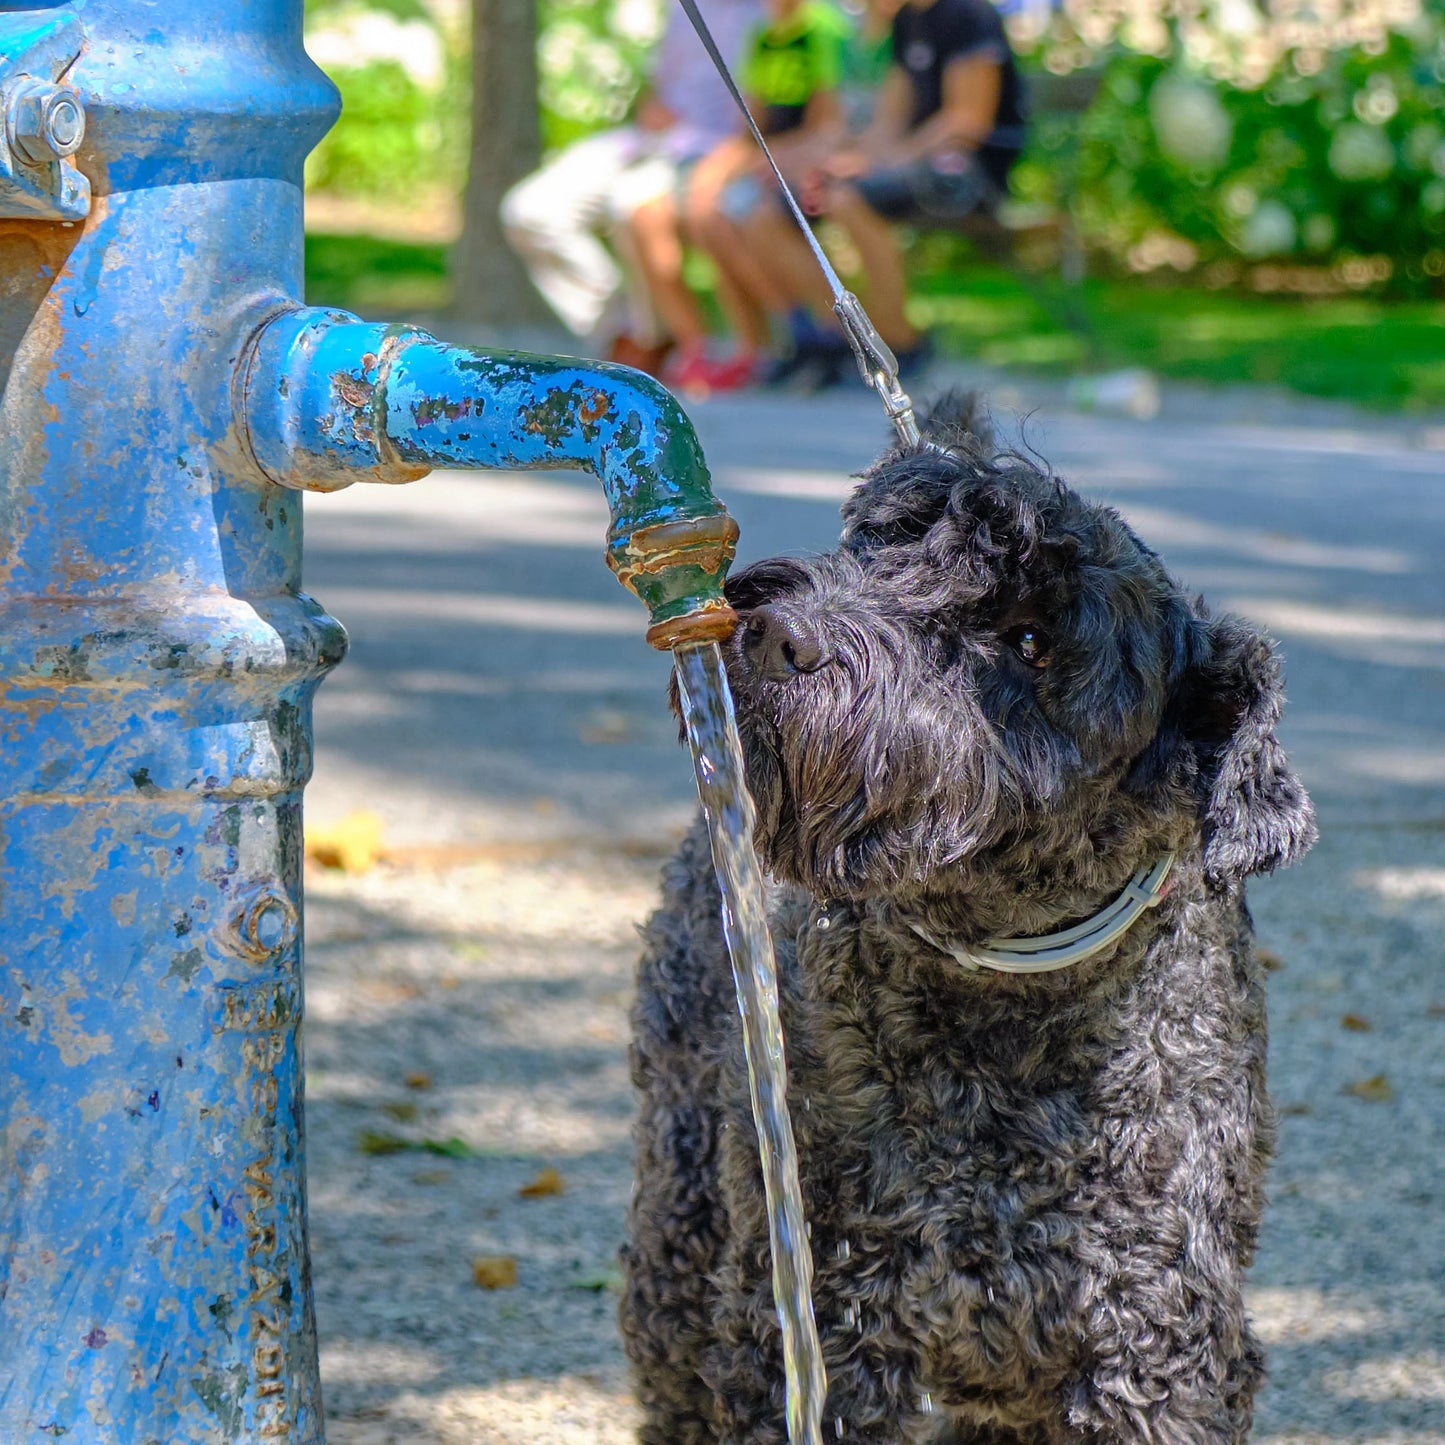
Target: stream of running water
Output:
{"points": [[712, 733]]}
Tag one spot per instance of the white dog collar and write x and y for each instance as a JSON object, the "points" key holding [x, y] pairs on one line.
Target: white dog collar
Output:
{"points": [[1069, 945]]}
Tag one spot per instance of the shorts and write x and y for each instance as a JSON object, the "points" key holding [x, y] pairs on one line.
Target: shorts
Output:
{"points": [[945, 187], [650, 177], [741, 197]]}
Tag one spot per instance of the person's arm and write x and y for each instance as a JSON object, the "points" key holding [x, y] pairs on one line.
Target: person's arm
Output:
{"points": [[884, 135], [972, 88], [823, 118]]}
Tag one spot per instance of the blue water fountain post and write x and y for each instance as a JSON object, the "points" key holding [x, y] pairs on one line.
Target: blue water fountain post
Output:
{"points": [[163, 398]]}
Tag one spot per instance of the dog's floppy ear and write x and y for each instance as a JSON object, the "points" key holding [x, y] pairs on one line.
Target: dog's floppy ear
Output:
{"points": [[1256, 813]]}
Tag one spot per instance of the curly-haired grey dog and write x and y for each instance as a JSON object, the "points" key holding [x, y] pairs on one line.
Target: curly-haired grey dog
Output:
{"points": [[989, 715]]}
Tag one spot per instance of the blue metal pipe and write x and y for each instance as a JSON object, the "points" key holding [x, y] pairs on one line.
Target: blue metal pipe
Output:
{"points": [[329, 400], [157, 665], [158, 660]]}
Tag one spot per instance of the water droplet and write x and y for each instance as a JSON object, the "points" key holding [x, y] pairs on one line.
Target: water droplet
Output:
{"points": [[845, 1250], [82, 303], [824, 923], [838, 1426], [925, 1403], [990, 1294]]}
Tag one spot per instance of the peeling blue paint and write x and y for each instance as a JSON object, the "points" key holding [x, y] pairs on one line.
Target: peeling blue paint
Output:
{"points": [[157, 663], [158, 660]]}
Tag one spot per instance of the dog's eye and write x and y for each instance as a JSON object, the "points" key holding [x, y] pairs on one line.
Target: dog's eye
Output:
{"points": [[1032, 644]]}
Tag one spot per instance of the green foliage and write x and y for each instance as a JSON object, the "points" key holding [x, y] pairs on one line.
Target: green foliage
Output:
{"points": [[397, 133], [592, 56], [322, 10], [392, 136], [401, 129], [1335, 154]]}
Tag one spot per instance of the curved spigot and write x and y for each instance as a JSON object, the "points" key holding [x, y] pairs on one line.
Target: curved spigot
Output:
{"points": [[328, 400]]}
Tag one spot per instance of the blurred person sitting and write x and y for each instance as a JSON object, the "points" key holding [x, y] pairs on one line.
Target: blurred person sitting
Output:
{"points": [[946, 129], [555, 219], [791, 68]]}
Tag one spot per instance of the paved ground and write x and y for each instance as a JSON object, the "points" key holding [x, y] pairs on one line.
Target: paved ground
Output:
{"points": [[502, 714]]}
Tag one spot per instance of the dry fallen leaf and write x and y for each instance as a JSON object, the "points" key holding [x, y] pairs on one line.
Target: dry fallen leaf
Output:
{"points": [[495, 1271], [1269, 960], [1374, 1090], [352, 844], [1435, 1011], [548, 1181], [431, 1176], [373, 1141], [389, 990], [403, 1113], [417, 1080], [1356, 1024], [1293, 1110]]}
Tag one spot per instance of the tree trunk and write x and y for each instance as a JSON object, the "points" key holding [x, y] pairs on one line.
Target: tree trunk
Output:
{"points": [[490, 285]]}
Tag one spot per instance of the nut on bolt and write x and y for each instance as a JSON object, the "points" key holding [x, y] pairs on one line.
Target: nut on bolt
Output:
{"points": [[45, 122]]}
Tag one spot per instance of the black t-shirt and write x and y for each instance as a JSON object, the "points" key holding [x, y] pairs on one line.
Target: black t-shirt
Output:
{"points": [[926, 42]]}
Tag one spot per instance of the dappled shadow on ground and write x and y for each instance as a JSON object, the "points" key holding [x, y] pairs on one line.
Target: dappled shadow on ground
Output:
{"points": [[466, 1030]]}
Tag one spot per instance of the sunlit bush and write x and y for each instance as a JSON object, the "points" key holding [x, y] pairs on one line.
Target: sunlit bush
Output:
{"points": [[402, 69], [1235, 130]]}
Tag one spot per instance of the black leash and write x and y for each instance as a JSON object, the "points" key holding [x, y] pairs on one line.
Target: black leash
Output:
{"points": [[876, 362]]}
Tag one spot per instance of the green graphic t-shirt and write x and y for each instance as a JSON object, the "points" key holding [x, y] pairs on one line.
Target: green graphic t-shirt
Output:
{"points": [[786, 64]]}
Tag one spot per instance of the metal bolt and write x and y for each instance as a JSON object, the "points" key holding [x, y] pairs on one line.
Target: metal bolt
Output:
{"points": [[45, 122], [265, 924]]}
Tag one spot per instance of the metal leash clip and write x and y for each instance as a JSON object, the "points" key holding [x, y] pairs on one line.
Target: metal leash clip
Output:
{"points": [[876, 362]]}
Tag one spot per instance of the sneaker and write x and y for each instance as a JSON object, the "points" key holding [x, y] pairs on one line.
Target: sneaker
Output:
{"points": [[814, 363], [697, 376]]}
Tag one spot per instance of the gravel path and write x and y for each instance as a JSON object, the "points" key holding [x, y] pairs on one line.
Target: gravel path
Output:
{"points": [[467, 996]]}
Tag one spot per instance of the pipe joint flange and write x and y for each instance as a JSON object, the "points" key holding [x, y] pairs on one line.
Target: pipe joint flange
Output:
{"points": [[312, 400]]}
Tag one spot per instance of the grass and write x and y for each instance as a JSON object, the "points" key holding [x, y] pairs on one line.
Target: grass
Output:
{"points": [[1384, 354]]}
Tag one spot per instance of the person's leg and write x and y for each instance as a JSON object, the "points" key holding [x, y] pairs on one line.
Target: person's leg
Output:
{"points": [[882, 264], [790, 271], [657, 244], [745, 314], [551, 219], [744, 290]]}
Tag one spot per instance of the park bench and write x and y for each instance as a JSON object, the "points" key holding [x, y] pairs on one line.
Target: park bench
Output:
{"points": [[1037, 240]]}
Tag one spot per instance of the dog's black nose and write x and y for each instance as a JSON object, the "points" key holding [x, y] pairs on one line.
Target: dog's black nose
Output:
{"points": [[779, 643]]}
